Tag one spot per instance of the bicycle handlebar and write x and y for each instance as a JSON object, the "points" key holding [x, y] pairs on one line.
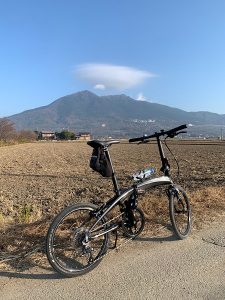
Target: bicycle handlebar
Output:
{"points": [[170, 133]]}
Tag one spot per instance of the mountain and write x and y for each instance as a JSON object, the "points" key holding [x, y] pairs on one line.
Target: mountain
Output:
{"points": [[117, 115]]}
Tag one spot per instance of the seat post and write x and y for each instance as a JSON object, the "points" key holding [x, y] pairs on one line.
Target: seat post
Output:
{"points": [[114, 179]]}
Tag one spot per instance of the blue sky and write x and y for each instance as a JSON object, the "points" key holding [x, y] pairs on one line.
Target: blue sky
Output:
{"points": [[169, 52]]}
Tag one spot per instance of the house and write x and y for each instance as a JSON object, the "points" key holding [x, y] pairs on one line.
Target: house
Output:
{"points": [[46, 135], [83, 136]]}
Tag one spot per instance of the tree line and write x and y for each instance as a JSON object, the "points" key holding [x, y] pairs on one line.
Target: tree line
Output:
{"points": [[8, 133]]}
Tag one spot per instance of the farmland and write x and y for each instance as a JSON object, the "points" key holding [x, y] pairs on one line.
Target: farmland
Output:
{"points": [[38, 179]]}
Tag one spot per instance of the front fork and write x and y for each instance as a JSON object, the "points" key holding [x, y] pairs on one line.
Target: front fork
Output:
{"points": [[179, 205], [172, 191]]}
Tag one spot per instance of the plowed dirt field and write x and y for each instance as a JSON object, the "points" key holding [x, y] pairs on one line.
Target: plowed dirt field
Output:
{"points": [[37, 180]]}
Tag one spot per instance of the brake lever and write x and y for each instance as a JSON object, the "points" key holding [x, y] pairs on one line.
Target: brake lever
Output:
{"points": [[142, 142], [181, 132], [172, 135]]}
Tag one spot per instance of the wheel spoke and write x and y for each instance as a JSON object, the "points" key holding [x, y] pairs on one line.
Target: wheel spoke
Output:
{"points": [[180, 213], [70, 250]]}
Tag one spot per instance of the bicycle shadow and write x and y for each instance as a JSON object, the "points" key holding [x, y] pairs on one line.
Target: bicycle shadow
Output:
{"points": [[159, 239], [31, 276], [26, 237], [22, 253], [168, 237]]}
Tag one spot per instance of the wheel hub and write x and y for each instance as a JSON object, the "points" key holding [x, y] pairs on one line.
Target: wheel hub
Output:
{"points": [[80, 240]]}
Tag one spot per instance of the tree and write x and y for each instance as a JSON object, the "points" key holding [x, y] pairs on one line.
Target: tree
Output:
{"points": [[7, 130], [65, 135], [26, 136]]}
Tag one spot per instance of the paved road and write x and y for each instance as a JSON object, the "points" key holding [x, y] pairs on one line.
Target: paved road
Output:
{"points": [[149, 268]]}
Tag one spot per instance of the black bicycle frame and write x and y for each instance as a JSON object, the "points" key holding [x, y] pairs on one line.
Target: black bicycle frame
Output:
{"points": [[114, 178], [121, 196], [165, 164]]}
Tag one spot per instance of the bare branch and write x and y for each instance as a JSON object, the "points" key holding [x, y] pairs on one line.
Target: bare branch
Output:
{"points": [[7, 130]]}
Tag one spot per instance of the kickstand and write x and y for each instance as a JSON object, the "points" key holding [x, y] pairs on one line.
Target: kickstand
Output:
{"points": [[116, 238]]}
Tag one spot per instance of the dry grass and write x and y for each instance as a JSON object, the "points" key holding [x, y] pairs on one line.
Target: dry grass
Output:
{"points": [[22, 245], [208, 205]]}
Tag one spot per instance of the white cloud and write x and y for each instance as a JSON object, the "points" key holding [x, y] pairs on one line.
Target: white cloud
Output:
{"points": [[99, 87], [111, 76], [141, 97]]}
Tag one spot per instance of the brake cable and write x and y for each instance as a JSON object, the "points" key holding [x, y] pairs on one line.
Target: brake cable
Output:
{"points": [[174, 157]]}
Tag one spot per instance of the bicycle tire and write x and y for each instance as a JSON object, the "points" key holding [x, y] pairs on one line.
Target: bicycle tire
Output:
{"points": [[132, 232], [180, 212], [66, 236]]}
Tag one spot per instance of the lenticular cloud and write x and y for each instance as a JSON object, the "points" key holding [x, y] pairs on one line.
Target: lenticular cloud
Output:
{"points": [[111, 76]]}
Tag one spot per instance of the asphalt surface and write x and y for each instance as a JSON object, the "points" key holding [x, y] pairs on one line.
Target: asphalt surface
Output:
{"points": [[147, 268]]}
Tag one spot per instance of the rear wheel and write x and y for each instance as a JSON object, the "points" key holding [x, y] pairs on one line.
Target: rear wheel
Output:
{"points": [[180, 212], [70, 248]]}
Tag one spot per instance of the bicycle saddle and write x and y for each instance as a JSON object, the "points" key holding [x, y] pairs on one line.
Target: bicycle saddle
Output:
{"points": [[105, 144]]}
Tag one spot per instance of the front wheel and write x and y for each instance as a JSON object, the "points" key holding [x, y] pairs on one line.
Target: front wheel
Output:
{"points": [[71, 250], [180, 212]]}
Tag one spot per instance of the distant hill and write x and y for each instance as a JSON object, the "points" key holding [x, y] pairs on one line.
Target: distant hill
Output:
{"points": [[117, 115]]}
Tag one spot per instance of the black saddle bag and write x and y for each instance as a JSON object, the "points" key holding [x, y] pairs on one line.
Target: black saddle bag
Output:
{"points": [[100, 163]]}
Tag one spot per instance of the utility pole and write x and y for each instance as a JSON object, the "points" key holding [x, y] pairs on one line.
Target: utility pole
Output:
{"points": [[221, 133]]}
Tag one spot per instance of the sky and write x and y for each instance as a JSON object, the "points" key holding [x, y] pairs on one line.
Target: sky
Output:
{"points": [[170, 52]]}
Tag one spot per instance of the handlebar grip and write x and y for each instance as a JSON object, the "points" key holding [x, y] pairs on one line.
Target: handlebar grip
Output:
{"points": [[176, 129], [180, 127]]}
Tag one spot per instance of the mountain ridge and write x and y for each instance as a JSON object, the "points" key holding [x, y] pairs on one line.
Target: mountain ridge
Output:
{"points": [[112, 115]]}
